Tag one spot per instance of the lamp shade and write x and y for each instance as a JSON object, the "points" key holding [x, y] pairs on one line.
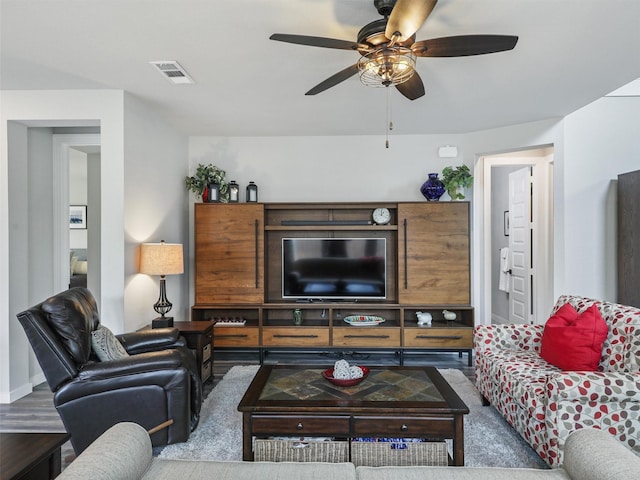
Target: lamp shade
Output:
{"points": [[161, 258]]}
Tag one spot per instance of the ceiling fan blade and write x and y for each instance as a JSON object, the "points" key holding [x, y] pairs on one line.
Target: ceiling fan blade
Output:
{"points": [[333, 80], [407, 17], [464, 45], [315, 41], [412, 88]]}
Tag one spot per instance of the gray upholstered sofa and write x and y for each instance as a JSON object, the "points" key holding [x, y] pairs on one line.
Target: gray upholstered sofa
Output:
{"points": [[124, 453]]}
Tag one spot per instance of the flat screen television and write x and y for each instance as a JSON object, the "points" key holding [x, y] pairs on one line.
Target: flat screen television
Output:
{"points": [[334, 268]]}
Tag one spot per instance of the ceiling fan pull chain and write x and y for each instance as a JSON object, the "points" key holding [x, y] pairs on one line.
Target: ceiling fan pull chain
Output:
{"points": [[389, 121]]}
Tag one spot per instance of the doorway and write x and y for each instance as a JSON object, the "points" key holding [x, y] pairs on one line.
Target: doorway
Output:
{"points": [[494, 199], [76, 160]]}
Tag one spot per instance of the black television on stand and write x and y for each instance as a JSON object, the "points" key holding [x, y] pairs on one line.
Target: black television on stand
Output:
{"points": [[334, 269]]}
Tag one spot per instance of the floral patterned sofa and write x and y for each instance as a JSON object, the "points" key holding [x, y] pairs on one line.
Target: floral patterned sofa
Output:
{"points": [[543, 403]]}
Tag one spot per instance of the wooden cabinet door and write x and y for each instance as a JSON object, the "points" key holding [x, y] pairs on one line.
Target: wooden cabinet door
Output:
{"points": [[433, 253], [229, 253]]}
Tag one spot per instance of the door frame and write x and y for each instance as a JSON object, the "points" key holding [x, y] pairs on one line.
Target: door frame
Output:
{"points": [[61, 145], [541, 159]]}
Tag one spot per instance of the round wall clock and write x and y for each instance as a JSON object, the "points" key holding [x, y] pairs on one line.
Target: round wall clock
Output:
{"points": [[381, 216]]}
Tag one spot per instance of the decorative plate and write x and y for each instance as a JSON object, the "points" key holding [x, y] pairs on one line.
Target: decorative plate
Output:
{"points": [[363, 320], [345, 382]]}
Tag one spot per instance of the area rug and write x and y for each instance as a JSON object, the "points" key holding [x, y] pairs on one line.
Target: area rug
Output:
{"points": [[489, 440]]}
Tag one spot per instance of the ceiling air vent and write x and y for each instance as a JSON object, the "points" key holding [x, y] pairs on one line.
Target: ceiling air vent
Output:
{"points": [[172, 71]]}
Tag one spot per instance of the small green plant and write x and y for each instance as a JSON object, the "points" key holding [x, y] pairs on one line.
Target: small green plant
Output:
{"points": [[454, 178], [206, 175]]}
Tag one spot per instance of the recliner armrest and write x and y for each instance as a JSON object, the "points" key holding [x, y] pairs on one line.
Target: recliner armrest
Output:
{"points": [[163, 370], [149, 340], [140, 363]]}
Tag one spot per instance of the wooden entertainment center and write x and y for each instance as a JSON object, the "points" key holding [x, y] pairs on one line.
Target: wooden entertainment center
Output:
{"points": [[238, 276]]}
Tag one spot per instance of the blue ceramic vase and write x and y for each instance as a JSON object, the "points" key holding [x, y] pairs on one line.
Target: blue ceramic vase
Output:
{"points": [[433, 188]]}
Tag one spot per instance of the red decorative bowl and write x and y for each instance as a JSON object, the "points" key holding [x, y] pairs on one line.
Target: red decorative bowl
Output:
{"points": [[345, 382]]}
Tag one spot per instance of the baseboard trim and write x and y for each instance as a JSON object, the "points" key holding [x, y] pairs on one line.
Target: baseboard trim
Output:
{"points": [[499, 320], [18, 393]]}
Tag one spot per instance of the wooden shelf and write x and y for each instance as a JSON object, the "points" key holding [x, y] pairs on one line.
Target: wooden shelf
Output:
{"points": [[324, 228]]}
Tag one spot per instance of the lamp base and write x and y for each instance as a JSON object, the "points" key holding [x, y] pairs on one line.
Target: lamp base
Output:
{"points": [[162, 322]]}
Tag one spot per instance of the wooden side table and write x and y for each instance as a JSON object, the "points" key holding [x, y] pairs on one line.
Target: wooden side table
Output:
{"points": [[31, 456], [199, 336]]}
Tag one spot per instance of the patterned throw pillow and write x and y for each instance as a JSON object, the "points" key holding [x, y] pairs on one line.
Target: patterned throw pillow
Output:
{"points": [[106, 345]]}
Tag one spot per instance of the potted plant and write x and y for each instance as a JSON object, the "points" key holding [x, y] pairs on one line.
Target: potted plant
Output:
{"points": [[205, 175], [455, 180]]}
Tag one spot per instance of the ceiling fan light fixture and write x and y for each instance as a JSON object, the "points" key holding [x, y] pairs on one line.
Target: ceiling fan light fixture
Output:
{"points": [[387, 66]]}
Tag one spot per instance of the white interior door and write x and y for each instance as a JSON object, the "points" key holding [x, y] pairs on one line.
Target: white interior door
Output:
{"points": [[520, 241]]}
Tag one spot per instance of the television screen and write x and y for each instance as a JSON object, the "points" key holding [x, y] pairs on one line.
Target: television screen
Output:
{"points": [[334, 268]]}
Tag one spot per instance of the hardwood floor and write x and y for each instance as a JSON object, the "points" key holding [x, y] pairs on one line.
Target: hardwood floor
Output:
{"points": [[36, 413]]}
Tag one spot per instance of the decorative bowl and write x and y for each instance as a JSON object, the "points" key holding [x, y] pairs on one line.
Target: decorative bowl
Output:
{"points": [[345, 382], [363, 320]]}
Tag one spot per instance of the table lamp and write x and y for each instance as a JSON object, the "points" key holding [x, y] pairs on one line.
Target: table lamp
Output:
{"points": [[161, 259]]}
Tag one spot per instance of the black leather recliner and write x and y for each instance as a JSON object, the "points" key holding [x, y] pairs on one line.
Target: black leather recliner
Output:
{"points": [[158, 382]]}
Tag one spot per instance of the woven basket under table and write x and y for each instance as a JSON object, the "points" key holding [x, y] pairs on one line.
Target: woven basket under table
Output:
{"points": [[381, 454], [265, 450]]}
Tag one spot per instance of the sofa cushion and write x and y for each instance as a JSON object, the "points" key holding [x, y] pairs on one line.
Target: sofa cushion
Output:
{"points": [[236, 470], [105, 344], [458, 473], [573, 341]]}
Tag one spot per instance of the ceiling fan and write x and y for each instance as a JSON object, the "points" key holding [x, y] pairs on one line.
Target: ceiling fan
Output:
{"points": [[389, 49]]}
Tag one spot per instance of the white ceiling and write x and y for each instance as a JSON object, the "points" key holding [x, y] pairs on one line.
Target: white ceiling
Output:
{"points": [[570, 53]]}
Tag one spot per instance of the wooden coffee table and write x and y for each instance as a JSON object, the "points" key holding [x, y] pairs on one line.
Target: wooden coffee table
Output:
{"points": [[296, 401], [32, 456]]}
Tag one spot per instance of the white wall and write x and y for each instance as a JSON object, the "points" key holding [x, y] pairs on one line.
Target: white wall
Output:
{"points": [[40, 225], [155, 209], [42, 109], [94, 224], [17, 360], [150, 203], [39, 239], [327, 169], [602, 141], [510, 139], [591, 147]]}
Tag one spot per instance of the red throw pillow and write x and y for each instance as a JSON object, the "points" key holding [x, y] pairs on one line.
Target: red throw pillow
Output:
{"points": [[573, 341]]}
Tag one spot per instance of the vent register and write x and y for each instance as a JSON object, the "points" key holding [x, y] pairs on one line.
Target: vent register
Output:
{"points": [[173, 72]]}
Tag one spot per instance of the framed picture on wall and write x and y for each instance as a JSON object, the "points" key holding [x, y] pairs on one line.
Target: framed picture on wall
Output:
{"points": [[78, 216]]}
